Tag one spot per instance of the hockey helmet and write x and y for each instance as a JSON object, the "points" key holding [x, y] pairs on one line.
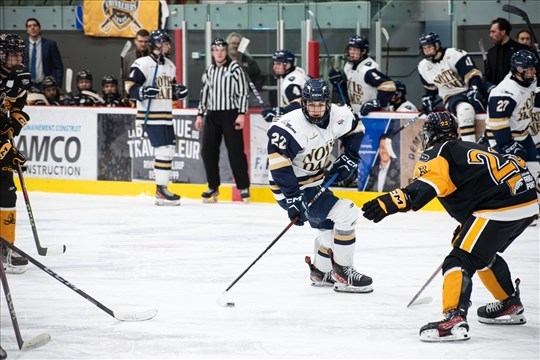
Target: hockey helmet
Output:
{"points": [[430, 39], [521, 61], [48, 82], [11, 43], [357, 42], [439, 126], [84, 75], [219, 42], [400, 87], [283, 56], [316, 90], [156, 40], [109, 79]]}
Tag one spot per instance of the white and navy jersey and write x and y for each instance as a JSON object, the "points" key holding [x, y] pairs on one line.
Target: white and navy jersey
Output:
{"points": [[292, 85], [510, 107], [142, 74], [224, 88], [366, 82], [298, 151], [405, 106], [449, 76]]}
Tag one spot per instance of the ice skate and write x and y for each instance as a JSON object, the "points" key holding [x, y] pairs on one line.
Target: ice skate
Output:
{"points": [[505, 312], [317, 277], [244, 194], [348, 280], [13, 263], [453, 327], [210, 196], [166, 198]]}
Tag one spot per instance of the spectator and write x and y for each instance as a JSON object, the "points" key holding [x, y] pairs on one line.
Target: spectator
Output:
{"points": [[224, 97], [43, 55], [385, 174], [498, 57], [524, 37], [245, 60], [109, 89], [152, 82], [140, 50]]}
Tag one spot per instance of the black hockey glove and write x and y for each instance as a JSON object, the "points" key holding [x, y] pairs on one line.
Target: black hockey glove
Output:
{"points": [[370, 106], [297, 208], [179, 91], [427, 104], [336, 77], [148, 92], [21, 80], [395, 201], [270, 114], [9, 155], [345, 167], [514, 148], [476, 99], [13, 125]]}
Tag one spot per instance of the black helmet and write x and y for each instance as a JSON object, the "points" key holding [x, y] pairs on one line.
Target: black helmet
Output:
{"points": [[157, 38], [439, 126], [84, 74], [519, 63], [316, 90], [219, 42], [48, 82], [109, 79], [11, 43], [400, 87]]}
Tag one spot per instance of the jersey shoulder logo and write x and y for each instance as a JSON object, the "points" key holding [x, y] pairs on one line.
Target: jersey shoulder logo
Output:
{"points": [[368, 63], [291, 78]]}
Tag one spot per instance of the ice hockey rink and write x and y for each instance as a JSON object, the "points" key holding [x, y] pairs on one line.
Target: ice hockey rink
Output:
{"points": [[134, 256]]}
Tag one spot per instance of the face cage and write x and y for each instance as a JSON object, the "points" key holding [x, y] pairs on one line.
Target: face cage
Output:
{"points": [[4, 55], [156, 50], [316, 121]]}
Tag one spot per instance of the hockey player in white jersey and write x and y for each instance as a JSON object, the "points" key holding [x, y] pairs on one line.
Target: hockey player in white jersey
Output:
{"points": [[299, 147], [510, 106], [451, 74], [153, 84], [399, 101], [364, 87], [293, 80]]}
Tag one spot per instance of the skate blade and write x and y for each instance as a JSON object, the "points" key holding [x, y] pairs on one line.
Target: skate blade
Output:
{"points": [[320, 284], [163, 202], [9, 269], [343, 288], [505, 320], [246, 201], [459, 334], [211, 200]]}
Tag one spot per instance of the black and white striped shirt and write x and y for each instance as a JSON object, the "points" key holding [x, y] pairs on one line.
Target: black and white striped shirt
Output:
{"points": [[224, 88]]}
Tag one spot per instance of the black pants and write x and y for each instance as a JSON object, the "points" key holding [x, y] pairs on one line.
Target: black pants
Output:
{"points": [[218, 125]]}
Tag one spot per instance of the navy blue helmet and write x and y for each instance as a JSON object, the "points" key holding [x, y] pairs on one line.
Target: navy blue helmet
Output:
{"points": [[357, 42], [430, 39], [400, 87], [156, 40], [283, 56], [316, 90], [519, 63], [439, 126]]}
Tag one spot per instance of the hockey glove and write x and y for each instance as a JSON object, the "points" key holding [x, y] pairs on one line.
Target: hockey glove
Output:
{"points": [[336, 77], [148, 92], [270, 114], [483, 139], [13, 125], [370, 106], [297, 209], [395, 201], [179, 91], [476, 99], [345, 167], [514, 148], [427, 104], [21, 80], [9, 155]]}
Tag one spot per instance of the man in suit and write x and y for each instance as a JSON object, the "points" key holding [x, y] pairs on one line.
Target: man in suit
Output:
{"points": [[385, 174], [43, 55]]}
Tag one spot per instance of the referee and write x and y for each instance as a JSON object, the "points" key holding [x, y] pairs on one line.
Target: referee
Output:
{"points": [[224, 97]]}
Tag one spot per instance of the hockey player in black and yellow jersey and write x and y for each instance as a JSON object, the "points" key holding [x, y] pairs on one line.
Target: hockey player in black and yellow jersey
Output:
{"points": [[14, 82], [493, 198]]}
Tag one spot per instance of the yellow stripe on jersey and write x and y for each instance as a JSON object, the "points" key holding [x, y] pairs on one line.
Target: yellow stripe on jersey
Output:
{"points": [[360, 128], [344, 236], [490, 282], [128, 84], [278, 161], [162, 165], [436, 173], [522, 134], [498, 123], [469, 240], [154, 115], [387, 86], [312, 179], [452, 283], [507, 207], [472, 73]]}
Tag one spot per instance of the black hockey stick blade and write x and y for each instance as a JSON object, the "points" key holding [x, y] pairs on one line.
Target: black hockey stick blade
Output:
{"points": [[3, 354], [34, 343], [516, 11]]}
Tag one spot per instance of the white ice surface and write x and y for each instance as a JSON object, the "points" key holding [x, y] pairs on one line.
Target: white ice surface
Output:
{"points": [[133, 256]]}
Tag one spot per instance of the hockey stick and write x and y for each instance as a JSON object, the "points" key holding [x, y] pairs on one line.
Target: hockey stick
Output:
{"points": [[122, 316], [223, 300], [123, 53], [482, 49], [33, 343], [94, 96], [256, 93], [43, 251], [3, 354], [423, 287], [517, 11], [69, 79], [385, 33]]}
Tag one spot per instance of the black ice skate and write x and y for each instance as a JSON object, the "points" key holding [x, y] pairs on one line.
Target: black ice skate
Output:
{"points": [[244, 194], [210, 196], [506, 312], [347, 279], [13, 263], [166, 198], [454, 327], [317, 277]]}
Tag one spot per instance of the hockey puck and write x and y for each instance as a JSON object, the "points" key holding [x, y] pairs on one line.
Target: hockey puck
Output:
{"points": [[230, 304]]}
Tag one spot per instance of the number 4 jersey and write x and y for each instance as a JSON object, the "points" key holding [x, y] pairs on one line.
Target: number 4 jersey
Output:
{"points": [[472, 179]]}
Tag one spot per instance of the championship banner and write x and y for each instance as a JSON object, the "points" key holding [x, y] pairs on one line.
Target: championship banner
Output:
{"points": [[119, 18]]}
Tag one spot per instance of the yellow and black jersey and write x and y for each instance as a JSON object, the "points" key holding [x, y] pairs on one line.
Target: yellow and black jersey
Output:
{"points": [[472, 179], [10, 100]]}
